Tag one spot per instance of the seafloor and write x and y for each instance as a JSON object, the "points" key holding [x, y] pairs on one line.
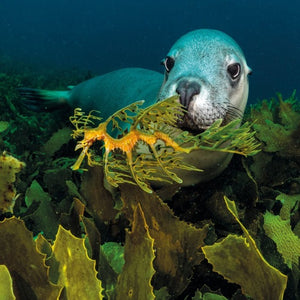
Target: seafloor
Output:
{"points": [[176, 243]]}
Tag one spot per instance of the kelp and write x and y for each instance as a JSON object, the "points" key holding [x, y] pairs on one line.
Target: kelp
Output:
{"points": [[36, 197], [149, 146], [100, 202], [239, 260], [290, 204], [40, 270], [276, 122], [19, 254], [277, 125], [9, 167], [6, 286], [76, 269], [176, 242], [59, 138], [67, 264], [190, 209], [280, 231], [135, 280], [207, 296]]}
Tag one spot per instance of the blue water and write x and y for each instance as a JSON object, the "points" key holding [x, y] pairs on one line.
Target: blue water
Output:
{"points": [[105, 35]]}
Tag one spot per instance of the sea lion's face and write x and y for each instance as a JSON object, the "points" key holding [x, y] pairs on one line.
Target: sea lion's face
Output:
{"points": [[209, 72]]}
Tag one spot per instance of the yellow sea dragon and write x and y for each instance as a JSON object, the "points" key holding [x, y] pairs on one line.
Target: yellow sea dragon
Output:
{"points": [[149, 150]]}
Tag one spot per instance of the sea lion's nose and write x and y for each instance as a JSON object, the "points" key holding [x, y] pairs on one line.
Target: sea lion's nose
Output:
{"points": [[186, 90]]}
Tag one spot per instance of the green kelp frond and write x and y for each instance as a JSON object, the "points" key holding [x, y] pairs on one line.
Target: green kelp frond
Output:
{"points": [[239, 140], [277, 125], [287, 242], [151, 148]]}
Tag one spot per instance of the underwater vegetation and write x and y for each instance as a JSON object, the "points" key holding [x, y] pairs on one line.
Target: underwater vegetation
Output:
{"points": [[67, 237], [279, 116], [9, 167]]}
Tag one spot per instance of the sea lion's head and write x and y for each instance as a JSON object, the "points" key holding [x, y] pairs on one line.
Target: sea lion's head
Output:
{"points": [[208, 70]]}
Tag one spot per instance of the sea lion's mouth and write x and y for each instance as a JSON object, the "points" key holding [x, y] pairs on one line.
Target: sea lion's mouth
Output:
{"points": [[192, 131], [197, 122], [198, 119], [186, 123]]}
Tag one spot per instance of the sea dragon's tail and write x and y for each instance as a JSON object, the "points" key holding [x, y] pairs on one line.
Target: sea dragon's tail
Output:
{"points": [[43, 100]]}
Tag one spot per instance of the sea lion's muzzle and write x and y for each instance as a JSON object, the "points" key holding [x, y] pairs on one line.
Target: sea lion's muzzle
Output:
{"points": [[187, 90]]}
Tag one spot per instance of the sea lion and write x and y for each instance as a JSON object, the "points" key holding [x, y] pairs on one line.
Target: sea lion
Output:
{"points": [[205, 67]]}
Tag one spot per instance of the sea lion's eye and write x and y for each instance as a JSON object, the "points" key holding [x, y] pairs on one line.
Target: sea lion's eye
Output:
{"points": [[169, 63], [234, 70]]}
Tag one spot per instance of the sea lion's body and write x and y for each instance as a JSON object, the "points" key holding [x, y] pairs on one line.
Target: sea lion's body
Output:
{"points": [[112, 91], [205, 67]]}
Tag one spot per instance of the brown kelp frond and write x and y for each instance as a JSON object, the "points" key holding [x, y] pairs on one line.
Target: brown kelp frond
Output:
{"points": [[245, 261], [152, 148]]}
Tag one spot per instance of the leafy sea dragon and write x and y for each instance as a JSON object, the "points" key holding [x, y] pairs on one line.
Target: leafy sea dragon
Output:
{"points": [[149, 148]]}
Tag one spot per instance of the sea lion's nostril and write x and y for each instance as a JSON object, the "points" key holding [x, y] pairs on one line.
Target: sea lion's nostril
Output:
{"points": [[186, 90]]}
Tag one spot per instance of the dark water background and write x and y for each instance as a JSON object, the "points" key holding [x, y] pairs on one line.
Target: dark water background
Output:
{"points": [[105, 35]]}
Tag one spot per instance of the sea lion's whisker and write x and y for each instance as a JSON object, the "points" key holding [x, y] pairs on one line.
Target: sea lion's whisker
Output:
{"points": [[234, 107], [234, 111]]}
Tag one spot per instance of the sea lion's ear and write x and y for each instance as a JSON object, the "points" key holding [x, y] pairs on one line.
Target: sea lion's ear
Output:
{"points": [[249, 71]]}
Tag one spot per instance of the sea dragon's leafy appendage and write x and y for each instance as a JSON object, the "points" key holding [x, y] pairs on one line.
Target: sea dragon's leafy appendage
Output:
{"points": [[149, 150]]}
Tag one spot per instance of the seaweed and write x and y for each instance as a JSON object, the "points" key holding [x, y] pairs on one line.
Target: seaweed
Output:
{"points": [[244, 260], [277, 125], [135, 279], [6, 286], [24, 259], [102, 226], [9, 167]]}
